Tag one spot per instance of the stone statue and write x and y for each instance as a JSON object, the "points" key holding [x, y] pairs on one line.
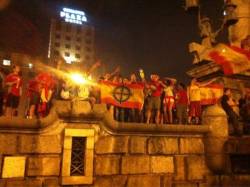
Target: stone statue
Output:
{"points": [[208, 38]]}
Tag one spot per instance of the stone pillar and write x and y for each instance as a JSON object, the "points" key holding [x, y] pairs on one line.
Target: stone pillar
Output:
{"points": [[216, 118]]}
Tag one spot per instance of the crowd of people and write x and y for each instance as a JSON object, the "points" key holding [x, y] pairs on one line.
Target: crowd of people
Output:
{"points": [[38, 94], [166, 101]]}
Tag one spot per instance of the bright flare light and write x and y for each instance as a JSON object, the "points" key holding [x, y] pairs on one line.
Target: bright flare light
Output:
{"points": [[78, 78]]}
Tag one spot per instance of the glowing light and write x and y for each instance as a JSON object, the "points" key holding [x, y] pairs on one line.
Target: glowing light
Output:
{"points": [[69, 59], [6, 62], [30, 65], [73, 16], [78, 78], [224, 13], [223, 50]]}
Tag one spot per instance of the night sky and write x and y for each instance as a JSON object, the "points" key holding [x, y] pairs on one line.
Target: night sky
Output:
{"points": [[152, 35]]}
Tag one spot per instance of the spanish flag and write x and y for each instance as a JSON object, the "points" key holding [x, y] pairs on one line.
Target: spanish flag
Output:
{"points": [[122, 95], [211, 93], [232, 59]]}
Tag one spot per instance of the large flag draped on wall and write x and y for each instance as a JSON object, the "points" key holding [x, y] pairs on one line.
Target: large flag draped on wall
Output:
{"points": [[232, 59], [122, 95], [211, 93]]}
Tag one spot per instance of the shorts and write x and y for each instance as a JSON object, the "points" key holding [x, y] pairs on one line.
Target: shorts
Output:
{"points": [[195, 109], [34, 99], [168, 102], [12, 101], [154, 103]]}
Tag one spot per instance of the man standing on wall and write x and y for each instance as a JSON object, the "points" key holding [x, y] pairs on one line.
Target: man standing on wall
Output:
{"points": [[14, 83], [154, 103]]}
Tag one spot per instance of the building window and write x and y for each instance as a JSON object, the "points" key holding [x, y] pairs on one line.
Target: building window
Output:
{"points": [[57, 36], [87, 57], [88, 49], [57, 44], [6, 62], [68, 28], [66, 54], [58, 26], [78, 39], [78, 155], [78, 48], [56, 53], [78, 56], [88, 32], [78, 30], [67, 46], [68, 38], [88, 41]]}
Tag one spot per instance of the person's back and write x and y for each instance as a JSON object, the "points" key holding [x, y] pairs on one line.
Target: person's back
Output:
{"points": [[194, 93], [224, 104], [233, 118]]}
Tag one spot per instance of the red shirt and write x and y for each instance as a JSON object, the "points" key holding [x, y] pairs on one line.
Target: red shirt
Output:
{"points": [[158, 91], [15, 88], [182, 97]]}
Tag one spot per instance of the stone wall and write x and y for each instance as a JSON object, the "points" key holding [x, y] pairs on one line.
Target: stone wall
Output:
{"points": [[124, 155], [130, 161], [119, 160], [42, 155]]}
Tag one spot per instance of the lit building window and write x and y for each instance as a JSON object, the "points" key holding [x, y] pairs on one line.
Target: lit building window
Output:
{"points": [[6, 62], [30, 65]]}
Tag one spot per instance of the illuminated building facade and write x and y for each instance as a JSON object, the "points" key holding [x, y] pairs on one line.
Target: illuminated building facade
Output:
{"points": [[71, 38]]}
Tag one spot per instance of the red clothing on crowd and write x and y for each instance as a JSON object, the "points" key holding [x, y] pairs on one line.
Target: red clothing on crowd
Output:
{"points": [[33, 86], [158, 91], [182, 97], [15, 88]]}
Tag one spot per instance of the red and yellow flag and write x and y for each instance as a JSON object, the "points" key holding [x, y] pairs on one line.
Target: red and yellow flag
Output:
{"points": [[232, 59], [210, 94], [122, 95]]}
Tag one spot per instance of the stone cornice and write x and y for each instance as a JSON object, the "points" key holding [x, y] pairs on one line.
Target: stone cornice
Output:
{"points": [[65, 110]]}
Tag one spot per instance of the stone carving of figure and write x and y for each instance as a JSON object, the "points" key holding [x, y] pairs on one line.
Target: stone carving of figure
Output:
{"points": [[206, 33], [208, 39]]}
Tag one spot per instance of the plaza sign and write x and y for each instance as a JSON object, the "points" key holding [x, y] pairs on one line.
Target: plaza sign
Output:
{"points": [[73, 16]]}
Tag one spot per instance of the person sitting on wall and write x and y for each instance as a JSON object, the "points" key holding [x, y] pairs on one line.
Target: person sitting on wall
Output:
{"points": [[233, 117]]}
